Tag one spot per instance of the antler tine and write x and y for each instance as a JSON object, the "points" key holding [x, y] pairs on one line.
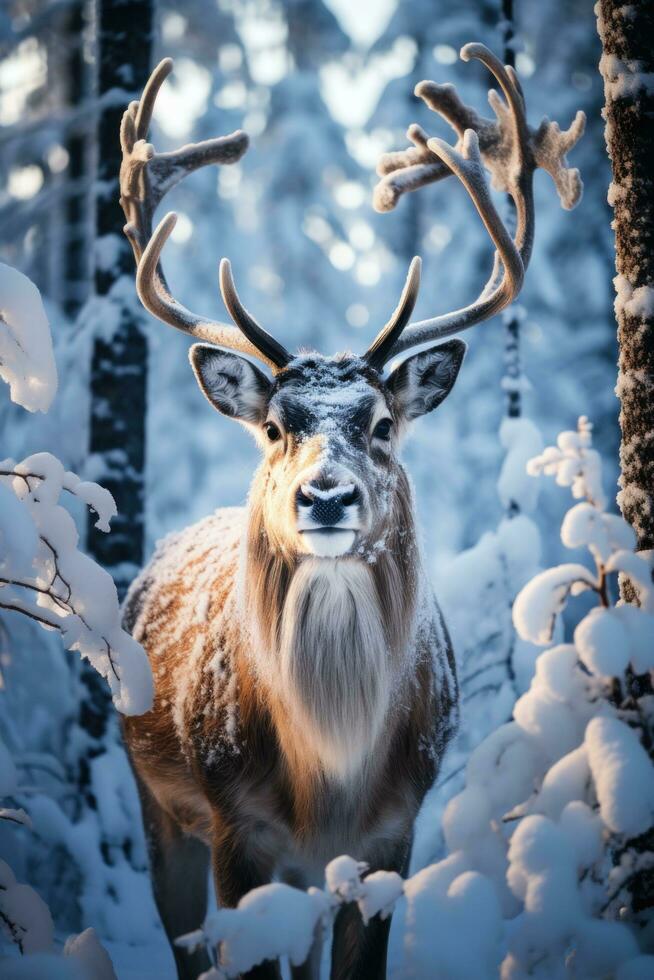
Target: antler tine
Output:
{"points": [[379, 351], [145, 177], [507, 147], [148, 98], [156, 298], [246, 322], [519, 165]]}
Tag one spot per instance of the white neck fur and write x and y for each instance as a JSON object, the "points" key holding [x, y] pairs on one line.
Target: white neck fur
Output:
{"points": [[335, 671]]}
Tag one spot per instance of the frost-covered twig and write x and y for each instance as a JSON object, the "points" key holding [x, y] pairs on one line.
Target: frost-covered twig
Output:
{"points": [[44, 576], [574, 463]]}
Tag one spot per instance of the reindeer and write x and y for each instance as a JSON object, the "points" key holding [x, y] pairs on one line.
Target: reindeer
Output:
{"points": [[305, 682]]}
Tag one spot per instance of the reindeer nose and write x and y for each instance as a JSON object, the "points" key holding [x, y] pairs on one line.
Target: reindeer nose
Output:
{"points": [[327, 505]]}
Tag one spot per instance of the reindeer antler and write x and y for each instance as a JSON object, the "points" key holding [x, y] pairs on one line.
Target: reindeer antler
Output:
{"points": [[145, 176], [510, 150]]}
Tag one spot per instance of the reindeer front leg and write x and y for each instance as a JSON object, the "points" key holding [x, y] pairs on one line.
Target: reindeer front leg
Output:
{"points": [[178, 866], [239, 865], [359, 951]]}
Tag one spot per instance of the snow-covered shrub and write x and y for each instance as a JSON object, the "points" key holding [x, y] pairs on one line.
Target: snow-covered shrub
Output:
{"points": [[558, 808], [44, 577], [495, 665]]}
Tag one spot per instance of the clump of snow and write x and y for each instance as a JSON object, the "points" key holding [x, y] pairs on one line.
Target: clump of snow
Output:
{"points": [[439, 940], [19, 540], [26, 358], [89, 954], [585, 526], [537, 606], [624, 78], [269, 922], [623, 775], [381, 891], [343, 878], [637, 302], [544, 865], [574, 463], [603, 643]]}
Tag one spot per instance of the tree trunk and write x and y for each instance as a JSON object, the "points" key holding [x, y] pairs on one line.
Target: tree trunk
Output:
{"points": [[627, 66], [118, 371], [119, 361], [76, 264]]}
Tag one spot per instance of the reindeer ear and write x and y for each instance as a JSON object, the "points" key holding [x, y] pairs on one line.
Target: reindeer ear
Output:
{"points": [[423, 381], [231, 383]]}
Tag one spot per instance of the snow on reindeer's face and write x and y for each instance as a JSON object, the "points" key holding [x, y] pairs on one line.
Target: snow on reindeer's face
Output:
{"points": [[329, 428]]}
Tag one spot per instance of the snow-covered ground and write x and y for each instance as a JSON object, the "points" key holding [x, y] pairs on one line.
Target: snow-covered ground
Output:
{"points": [[151, 960]]}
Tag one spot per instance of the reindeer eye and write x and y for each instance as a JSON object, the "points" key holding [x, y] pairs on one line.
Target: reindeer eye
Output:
{"points": [[382, 430], [272, 431]]}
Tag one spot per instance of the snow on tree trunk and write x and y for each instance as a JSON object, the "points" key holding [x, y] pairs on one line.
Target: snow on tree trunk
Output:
{"points": [[115, 319], [627, 66], [119, 365]]}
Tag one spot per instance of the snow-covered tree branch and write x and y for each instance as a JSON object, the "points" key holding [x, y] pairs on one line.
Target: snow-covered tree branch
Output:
{"points": [[46, 578]]}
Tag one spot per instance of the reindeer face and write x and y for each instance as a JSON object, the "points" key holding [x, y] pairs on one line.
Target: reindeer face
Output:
{"points": [[330, 456], [330, 430]]}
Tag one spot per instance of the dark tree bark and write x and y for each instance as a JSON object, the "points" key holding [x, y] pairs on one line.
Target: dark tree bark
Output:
{"points": [[627, 66], [119, 361], [119, 366], [76, 260]]}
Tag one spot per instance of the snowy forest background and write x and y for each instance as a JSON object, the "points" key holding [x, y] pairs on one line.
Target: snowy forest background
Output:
{"points": [[322, 89]]}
